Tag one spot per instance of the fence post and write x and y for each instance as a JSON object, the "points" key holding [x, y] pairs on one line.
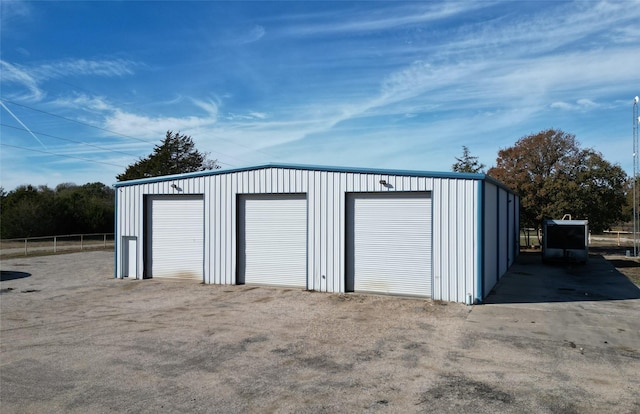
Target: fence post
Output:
{"points": [[105, 240], [25, 247], [81, 240], [55, 244]]}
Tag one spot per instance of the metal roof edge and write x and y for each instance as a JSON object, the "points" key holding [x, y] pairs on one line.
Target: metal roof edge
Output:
{"points": [[498, 183], [182, 176], [381, 171]]}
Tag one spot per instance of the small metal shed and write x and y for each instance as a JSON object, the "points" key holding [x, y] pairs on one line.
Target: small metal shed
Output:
{"points": [[448, 236]]}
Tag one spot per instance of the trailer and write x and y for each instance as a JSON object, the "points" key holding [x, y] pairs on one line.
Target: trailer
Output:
{"points": [[565, 241]]}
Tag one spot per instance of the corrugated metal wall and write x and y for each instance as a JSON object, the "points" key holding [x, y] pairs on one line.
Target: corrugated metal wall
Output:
{"points": [[491, 237], [455, 232], [501, 234], [455, 221]]}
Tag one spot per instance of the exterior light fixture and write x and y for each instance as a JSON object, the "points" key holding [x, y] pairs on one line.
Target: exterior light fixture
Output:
{"points": [[383, 182]]}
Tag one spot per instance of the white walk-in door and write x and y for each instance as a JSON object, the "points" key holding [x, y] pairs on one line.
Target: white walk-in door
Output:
{"points": [[272, 246], [389, 243], [130, 257], [176, 245]]}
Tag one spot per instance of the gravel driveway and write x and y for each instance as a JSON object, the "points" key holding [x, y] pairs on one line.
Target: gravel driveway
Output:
{"points": [[73, 339]]}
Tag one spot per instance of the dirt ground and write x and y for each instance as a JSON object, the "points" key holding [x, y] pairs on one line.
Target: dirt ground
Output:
{"points": [[73, 339], [628, 266]]}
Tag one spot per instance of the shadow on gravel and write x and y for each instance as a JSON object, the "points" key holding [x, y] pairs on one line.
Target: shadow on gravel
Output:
{"points": [[456, 393], [6, 275], [623, 263], [531, 281]]}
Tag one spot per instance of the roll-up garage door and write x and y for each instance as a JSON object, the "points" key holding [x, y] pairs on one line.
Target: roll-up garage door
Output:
{"points": [[272, 246], [389, 243], [176, 226]]}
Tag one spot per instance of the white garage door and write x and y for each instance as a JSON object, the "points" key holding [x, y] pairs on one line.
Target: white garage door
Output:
{"points": [[273, 240], [389, 243], [176, 247]]}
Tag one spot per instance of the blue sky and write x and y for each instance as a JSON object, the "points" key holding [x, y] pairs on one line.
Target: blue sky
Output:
{"points": [[89, 87]]}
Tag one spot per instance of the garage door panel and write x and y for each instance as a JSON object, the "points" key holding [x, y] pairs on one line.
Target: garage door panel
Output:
{"points": [[389, 242], [273, 240], [176, 248]]}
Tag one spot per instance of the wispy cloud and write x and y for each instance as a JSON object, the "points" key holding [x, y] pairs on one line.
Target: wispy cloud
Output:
{"points": [[85, 67], [13, 10], [209, 107], [372, 84], [379, 19], [250, 116], [256, 33], [580, 104], [15, 74], [29, 79], [566, 27], [84, 102], [258, 115], [476, 74], [152, 127]]}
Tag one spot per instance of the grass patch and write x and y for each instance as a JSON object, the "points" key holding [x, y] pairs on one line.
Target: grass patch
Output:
{"points": [[66, 250]]}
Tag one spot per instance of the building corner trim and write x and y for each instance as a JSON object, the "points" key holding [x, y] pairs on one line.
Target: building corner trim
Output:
{"points": [[480, 243], [115, 235]]}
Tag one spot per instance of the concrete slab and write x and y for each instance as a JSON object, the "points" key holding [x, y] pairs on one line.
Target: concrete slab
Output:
{"points": [[590, 305]]}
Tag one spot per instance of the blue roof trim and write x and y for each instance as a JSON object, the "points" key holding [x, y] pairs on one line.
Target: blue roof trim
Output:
{"points": [[414, 173]]}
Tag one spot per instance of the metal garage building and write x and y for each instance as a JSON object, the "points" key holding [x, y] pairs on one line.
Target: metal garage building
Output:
{"points": [[329, 229]]}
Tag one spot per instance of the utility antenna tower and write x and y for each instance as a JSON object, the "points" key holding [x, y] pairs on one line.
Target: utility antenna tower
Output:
{"points": [[635, 175]]}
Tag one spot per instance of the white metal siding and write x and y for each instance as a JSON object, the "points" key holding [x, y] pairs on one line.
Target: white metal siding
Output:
{"points": [[176, 248], [490, 237], [454, 209], [517, 224], [513, 233], [455, 235], [390, 243], [503, 232], [273, 240]]}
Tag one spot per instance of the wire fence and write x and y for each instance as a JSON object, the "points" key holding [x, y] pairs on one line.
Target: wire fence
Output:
{"points": [[530, 238], [26, 246]]}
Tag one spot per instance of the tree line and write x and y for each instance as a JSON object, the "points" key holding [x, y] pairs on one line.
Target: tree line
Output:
{"points": [[30, 211], [554, 176], [549, 170]]}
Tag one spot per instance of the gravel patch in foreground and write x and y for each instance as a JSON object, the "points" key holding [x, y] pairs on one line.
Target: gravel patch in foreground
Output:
{"points": [[73, 339]]}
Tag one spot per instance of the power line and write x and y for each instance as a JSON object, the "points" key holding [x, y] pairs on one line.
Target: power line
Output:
{"points": [[96, 146], [78, 122], [70, 140], [22, 123], [60, 155], [90, 145], [128, 136]]}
